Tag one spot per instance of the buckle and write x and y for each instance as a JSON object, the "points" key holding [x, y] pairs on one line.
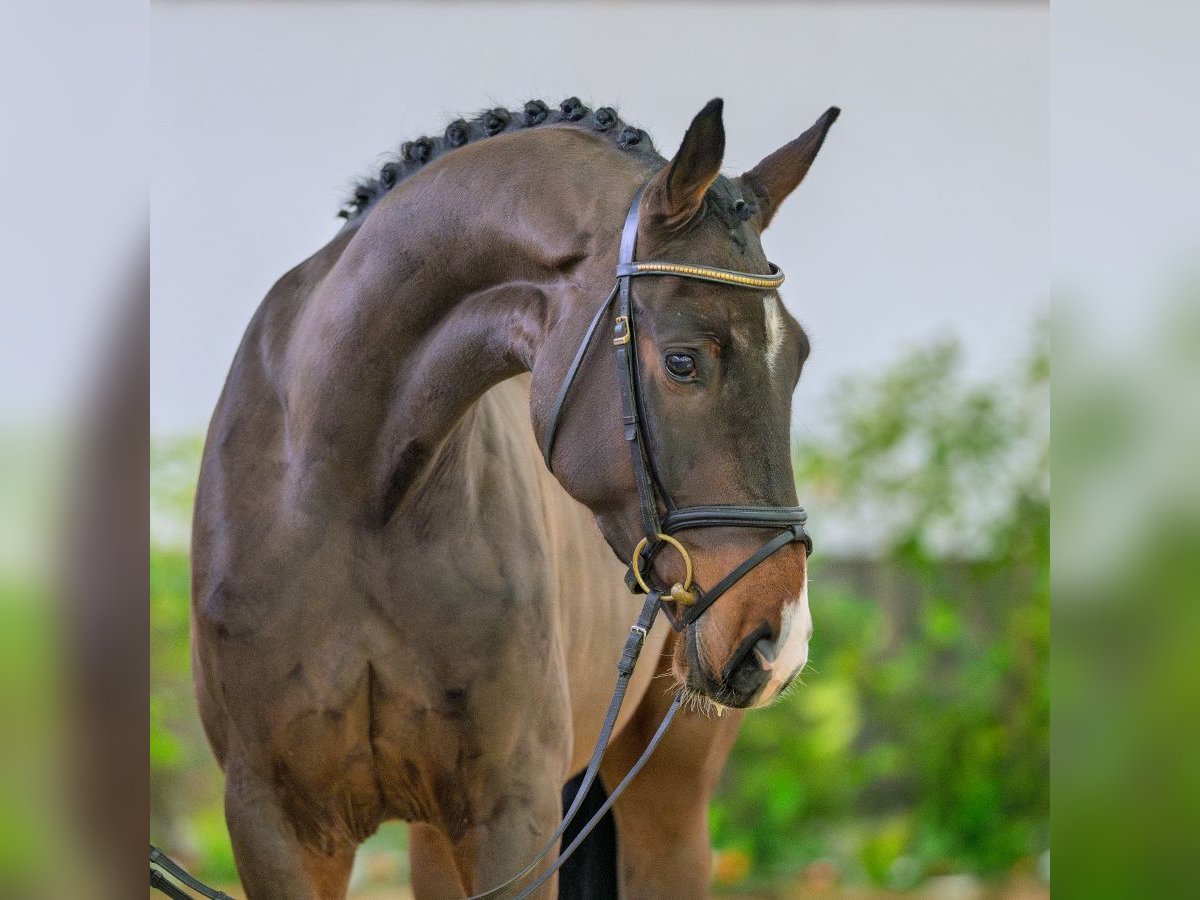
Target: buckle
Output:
{"points": [[621, 330]]}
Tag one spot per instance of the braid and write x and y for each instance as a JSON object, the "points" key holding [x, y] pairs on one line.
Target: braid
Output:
{"points": [[414, 155]]}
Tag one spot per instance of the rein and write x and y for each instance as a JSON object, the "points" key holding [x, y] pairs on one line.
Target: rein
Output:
{"points": [[658, 528]]}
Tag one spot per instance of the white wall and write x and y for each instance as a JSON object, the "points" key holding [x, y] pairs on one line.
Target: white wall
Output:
{"points": [[925, 215]]}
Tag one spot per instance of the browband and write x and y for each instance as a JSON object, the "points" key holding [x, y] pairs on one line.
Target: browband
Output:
{"points": [[704, 273], [628, 268]]}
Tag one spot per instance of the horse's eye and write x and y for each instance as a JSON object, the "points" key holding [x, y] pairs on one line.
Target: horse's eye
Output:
{"points": [[681, 366]]}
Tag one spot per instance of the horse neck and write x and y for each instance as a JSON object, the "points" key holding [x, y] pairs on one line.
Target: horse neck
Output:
{"points": [[445, 290]]}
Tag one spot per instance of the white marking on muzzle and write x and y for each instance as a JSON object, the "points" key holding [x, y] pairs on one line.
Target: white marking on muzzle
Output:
{"points": [[791, 649]]}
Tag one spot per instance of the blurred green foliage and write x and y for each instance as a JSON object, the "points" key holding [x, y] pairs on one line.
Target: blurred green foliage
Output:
{"points": [[1127, 624], [917, 743], [186, 788], [28, 679]]}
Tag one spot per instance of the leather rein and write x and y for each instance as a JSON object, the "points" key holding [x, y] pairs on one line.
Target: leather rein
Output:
{"points": [[661, 519]]}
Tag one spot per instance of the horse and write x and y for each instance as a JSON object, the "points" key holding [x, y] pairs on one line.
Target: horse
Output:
{"points": [[400, 609]]}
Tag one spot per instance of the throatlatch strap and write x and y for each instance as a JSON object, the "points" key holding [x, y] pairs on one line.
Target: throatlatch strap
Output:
{"points": [[565, 387]]}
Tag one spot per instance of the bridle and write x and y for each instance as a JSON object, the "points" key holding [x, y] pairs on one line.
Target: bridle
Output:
{"points": [[659, 529], [661, 519]]}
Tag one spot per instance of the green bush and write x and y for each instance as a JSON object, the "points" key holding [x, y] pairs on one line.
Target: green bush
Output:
{"points": [[918, 742], [187, 818]]}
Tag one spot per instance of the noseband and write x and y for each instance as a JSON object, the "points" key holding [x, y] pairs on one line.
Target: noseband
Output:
{"points": [[661, 519]]}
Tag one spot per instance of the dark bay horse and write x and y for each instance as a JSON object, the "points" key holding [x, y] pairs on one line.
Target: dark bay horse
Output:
{"points": [[398, 611]]}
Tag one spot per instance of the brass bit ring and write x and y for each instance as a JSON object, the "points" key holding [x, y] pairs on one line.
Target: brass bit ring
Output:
{"points": [[679, 593]]}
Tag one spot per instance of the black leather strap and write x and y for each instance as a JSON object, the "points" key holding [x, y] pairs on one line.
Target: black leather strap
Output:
{"points": [[697, 609], [610, 800], [164, 885], [625, 666], [164, 862], [629, 231], [625, 342], [734, 516], [739, 517], [569, 379], [650, 490]]}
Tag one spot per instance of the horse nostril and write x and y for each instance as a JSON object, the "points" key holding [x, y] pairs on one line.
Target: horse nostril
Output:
{"points": [[744, 674], [752, 658], [765, 648]]}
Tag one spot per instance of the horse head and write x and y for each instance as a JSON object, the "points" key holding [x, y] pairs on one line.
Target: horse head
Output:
{"points": [[716, 359]]}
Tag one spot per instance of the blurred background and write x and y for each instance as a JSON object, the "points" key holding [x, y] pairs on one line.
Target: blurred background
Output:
{"points": [[914, 759]]}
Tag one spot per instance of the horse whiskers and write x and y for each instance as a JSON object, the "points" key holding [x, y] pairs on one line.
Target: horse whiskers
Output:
{"points": [[701, 704], [796, 681], [678, 685], [790, 689]]}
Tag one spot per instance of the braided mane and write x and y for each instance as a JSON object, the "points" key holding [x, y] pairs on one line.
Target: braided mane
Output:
{"points": [[413, 155]]}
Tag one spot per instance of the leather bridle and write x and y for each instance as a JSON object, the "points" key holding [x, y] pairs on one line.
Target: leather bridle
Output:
{"points": [[660, 518]]}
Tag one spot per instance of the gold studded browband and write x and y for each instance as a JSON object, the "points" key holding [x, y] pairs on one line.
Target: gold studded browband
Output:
{"points": [[704, 273]]}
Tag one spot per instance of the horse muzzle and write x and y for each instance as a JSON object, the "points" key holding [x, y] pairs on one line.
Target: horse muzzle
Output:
{"points": [[762, 664]]}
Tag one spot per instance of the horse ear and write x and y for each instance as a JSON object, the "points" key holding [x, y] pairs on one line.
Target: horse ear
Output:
{"points": [[781, 172], [675, 194]]}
